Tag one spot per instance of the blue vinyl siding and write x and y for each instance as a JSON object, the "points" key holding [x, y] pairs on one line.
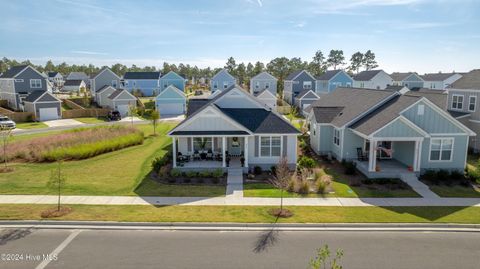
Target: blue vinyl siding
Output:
{"points": [[297, 86], [398, 129], [431, 121], [342, 79], [326, 138], [350, 144], [172, 78], [219, 79], [413, 81], [148, 87], [460, 145], [403, 151]]}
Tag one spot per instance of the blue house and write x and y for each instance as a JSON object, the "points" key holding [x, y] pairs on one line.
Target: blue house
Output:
{"points": [[172, 78], [171, 101], [222, 81], [331, 80], [148, 83], [297, 82], [388, 134], [410, 80]]}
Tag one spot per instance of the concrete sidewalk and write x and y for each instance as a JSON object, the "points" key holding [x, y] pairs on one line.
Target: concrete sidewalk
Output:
{"points": [[231, 200]]}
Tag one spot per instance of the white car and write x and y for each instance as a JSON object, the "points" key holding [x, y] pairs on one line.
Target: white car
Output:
{"points": [[7, 122]]}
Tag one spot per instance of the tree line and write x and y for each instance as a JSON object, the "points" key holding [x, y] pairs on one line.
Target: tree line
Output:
{"points": [[279, 67]]}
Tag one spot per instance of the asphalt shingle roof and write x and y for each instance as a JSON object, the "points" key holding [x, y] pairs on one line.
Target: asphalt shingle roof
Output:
{"points": [[437, 76], [326, 114], [303, 93], [355, 101], [438, 97], [470, 80], [142, 75], [33, 96], [329, 74], [77, 75], [52, 74], [73, 82], [457, 114], [366, 75], [195, 104], [293, 74], [115, 94], [209, 133], [13, 71]]}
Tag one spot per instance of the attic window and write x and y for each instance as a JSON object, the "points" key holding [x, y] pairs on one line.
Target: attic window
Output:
{"points": [[421, 110]]}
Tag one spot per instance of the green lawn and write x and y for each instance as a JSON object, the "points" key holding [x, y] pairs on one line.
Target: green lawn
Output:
{"points": [[148, 102], [123, 172], [252, 214], [91, 120], [455, 191], [31, 125]]}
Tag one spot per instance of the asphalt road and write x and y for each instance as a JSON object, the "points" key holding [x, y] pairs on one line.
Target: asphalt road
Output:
{"points": [[216, 249]]}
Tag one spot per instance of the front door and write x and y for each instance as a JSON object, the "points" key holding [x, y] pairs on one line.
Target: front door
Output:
{"points": [[234, 146]]}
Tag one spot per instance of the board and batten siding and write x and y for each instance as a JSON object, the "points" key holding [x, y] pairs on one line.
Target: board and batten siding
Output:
{"points": [[431, 121], [351, 142], [460, 144], [105, 78], [475, 115], [22, 81], [398, 129], [404, 151], [289, 149]]}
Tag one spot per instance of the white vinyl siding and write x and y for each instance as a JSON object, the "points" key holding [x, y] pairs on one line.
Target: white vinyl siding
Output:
{"points": [[441, 149], [270, 146]]}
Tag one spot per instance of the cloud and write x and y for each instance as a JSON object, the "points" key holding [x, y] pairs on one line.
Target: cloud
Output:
{"points": [[86, 52], [259, 2], [409, 25], [300, 24], [93, 7]]}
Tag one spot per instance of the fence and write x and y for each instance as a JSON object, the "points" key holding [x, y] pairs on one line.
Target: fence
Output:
{"points": [[72, 104], [17, 116], [86, 112]]}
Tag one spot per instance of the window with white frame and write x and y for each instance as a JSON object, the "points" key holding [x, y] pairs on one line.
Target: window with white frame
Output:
{"points": [[202, 143], [307, 85], [457, 101], [215, 84], [114, 83], [19, 80], [257, 84], [225, 85], [267, 85], [270, 146], [420, 110], [336, 137], [472, 103], [441, 149], [35, 83]]}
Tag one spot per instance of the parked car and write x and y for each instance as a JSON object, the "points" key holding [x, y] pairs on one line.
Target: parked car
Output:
{"points": [[198, 92], [7, 122], [114, 116]]}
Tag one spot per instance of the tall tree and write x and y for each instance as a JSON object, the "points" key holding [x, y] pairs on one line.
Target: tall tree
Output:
{"points": [[49, 66], [356, 62], [278, 67], [231, 66], [318, 65], [369, 60], [166, 68], [250, 72], [241, 73], [336, 58], [259, 68]]}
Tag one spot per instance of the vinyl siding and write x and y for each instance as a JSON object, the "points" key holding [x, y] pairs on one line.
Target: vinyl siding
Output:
{"points": [[398, 129], [403, 151], [432, 122], [148, 87]]}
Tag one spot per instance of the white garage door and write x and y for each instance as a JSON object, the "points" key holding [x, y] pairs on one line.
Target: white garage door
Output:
{"points": [[171, 109], [50, 113], [123, 109]]}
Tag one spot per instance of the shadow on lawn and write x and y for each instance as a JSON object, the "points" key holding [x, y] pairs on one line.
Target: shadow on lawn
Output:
{"points": [[430, 213]]}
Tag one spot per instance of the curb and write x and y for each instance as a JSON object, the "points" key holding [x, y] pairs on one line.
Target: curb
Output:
{"points": [[180, 226]]}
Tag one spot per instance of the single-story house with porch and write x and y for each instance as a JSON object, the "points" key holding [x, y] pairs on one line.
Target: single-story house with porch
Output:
{"points": [[386, 133], [44, 105], [171, 101], [230, 128]]}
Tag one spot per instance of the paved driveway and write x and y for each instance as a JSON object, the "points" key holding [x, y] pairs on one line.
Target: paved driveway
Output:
{"points": [[62, 123]]}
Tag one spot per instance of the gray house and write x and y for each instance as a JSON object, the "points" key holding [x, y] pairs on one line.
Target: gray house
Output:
{"points": [[221, 81], [79, 76], [410, 80], [56, 79], [105, 77], [295, 83], [18, 82], [44, 105], [263, 81], [304, 99]]}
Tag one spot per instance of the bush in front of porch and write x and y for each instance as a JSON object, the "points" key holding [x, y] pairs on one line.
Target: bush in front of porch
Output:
{"points": [[453, 183]]}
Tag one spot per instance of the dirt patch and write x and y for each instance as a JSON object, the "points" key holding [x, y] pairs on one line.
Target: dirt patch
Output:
{"points": [[55, 213], [280, 213]]}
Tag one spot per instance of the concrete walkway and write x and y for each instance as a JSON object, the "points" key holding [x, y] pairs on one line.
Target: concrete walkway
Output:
{"points": [[234, 183], [418, 186], [236, 200]]}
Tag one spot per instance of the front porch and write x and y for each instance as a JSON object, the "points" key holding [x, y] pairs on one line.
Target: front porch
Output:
{"points": [[386, 169]]}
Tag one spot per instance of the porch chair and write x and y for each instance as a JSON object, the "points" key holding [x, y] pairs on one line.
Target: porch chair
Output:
{"points": [[361, 155], [209, 155], [196, 155]]}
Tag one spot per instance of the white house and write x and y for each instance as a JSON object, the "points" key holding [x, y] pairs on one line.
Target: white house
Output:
{"points": [[267, 98], [439, 81], [372, 79]]}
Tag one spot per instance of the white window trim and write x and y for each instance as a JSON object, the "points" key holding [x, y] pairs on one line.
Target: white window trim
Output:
{"points": [[225, 85], [338, 138], [457, 95], [421, 112], [270, 137], [441, 145], [35, 86], [307, 83], [267, 85], [114, 82], [474, 103]]}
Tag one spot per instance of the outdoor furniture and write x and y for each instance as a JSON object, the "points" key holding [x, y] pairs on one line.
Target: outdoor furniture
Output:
{"points": [[196, 155], [209, 155], [361, 156]]}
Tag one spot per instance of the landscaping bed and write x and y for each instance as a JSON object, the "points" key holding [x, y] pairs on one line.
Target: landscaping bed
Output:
{"points": [[452, 184]]}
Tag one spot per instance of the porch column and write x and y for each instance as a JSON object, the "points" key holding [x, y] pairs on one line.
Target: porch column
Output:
{"points": [[245, 151], [416, 157], [174, 151], [372, 156], [224, 146]]}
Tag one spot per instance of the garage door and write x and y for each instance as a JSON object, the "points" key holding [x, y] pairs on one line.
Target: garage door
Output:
{"points": [[50, 113], [123, 109], [171, 109]]}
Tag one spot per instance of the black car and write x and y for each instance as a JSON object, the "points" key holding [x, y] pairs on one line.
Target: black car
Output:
{"points": [[114, 116]]}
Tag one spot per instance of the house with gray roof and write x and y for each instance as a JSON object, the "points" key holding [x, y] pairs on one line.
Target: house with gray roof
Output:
{"points": [[74, 85], [386, 133], [263, 81], [304, 99], [233, 129], [18, 82], [222, 81], [44, 105], [332, 79], [79, 76], [56, 78], [372, 79], [440, 81], [105, 77], [296, 82], [147, 83], [267, 98], [410, 80]]}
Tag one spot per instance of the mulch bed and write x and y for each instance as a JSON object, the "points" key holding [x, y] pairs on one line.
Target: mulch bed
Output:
{"points": [[55, 213], [189, 180], [284, 213], [6, 170]]}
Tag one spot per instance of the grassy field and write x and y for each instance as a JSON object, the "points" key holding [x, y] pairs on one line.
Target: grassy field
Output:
{"points": [[251, 214], [91, 120], [122, 172], [455, 191], [31, 125]]}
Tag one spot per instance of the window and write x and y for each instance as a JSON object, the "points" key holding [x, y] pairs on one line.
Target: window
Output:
{"points": [[114, 83], [457, 101], [432, 85], [349, 85], [35, 83], [215, 84], [202, 143], [257, 84], [336, 137], [307, 85], [19, 80], [125, 83], [270, 146], [134, 83], [267, 85], [420, 110], [225, 85], [472, 101], [441, 149], [362, 85]]}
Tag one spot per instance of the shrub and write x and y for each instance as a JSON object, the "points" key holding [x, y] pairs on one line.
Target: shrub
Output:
{"points": [[273, 169], [429, 175], [457, 175], [350, 167], [164, 171], [217, 173], [473, 175], [175, 172], [216, 180], [257, 170], [205, 174], [159, 162], [323, 182], [200, 180], [304, 187], [291, 185], [187, 180], [191, 174], [306, 162]]}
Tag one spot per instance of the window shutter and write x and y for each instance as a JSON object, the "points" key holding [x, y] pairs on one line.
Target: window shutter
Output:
{"points": [[256, 146], [285, 143], [189, 144]]}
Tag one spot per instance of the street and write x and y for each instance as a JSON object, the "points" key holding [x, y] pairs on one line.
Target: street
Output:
{"points": [[245, 249]]}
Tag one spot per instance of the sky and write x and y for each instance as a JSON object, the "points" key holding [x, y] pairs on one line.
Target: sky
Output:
{"points": [[406, 35]]}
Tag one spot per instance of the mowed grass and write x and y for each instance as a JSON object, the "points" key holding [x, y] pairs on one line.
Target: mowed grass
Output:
{"points": [[122, 172], [250, 214], [455, 191], [91, 120], [31, 125]]}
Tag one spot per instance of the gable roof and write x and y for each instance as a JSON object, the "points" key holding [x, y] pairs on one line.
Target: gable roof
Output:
{"points": [[329, 74], [264, 73], [195, 104], [470, 80], [172, 88], [174, 73], [366, 75], [36, 95], [438, 97], [326, 114], [259, 120], [437, 76], [297, 73], [52, 74], [117, 93], [95, 75], [263, 92], [398, 76], [73, 82], [13, 71], [77, 75], [225, 71], [141, 75], [304, 93], [354, 101], [104, 88]]}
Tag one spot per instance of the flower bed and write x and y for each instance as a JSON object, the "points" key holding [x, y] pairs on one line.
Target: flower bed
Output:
{"points": [[75, 144]]}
